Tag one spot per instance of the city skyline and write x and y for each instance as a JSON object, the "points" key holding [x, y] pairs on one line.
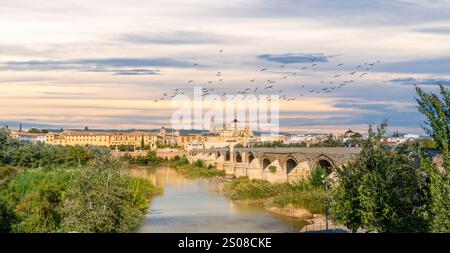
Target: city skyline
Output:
{"points": [[102, 64]]}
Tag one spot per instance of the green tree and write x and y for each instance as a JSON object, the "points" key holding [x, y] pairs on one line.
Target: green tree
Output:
{"points": [[317, 176], [437, 111], [381, 191], [98, 199], [142, 142]]}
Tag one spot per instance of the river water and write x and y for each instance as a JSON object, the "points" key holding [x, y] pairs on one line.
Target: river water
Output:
{"points": [[189, 205]]}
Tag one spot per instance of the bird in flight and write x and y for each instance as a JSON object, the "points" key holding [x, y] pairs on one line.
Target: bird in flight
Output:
{"points": [[282, 66], [340, 64], [218, 73], [337, 76], [252, 80], [195, 64], [221, 50], [363, 74], [304, 68], [268, 87], [191, 81], [263, 69], [352, 73]]}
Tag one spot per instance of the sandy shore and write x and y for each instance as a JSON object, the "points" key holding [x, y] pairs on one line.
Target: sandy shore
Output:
{"points": [[291, 211]]}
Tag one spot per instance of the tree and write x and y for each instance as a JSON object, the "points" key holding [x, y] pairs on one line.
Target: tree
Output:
{"points": [[437, 112], [381, 190], [99, 199], [34, 130], [142, 142]]}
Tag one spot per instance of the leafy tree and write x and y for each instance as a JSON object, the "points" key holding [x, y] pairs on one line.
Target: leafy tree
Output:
{"points": [[34, 130], [381, 191], [316, 176], [437, 111], [98, 199]]}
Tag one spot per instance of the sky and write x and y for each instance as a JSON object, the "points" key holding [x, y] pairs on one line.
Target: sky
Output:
{"points": [[102, 63]]}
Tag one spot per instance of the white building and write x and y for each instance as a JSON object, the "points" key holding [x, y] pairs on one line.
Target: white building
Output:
{"points": [[29, 137]]}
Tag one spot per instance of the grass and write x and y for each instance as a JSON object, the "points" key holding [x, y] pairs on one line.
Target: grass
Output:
{"points": [[195, 170], [301, 194]]}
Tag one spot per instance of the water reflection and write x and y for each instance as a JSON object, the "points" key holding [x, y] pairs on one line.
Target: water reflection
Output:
{"points": [[197, 206]]}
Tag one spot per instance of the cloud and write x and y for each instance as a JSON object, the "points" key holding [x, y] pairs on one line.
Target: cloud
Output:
{"points": [[419, 66], [358, 12], [398, 114], [97, 65], [424, 81], [127, 72], [434, 30], [294, 58], [174, 38]]}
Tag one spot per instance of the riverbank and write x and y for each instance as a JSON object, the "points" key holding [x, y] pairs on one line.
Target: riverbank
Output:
{"points": [[197, 169], [299, 200]]}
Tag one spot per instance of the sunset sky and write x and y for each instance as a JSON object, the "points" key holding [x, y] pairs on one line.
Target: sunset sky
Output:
{"points": [[102, 63]]}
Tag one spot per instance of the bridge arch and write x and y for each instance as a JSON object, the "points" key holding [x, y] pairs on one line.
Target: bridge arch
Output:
{"points": [[291, 163], [326, 163], [266, 162], [227, 155], [237, 157], [250, 157]]}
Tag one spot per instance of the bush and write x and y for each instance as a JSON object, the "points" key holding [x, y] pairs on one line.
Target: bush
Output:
{"points": [[199, 164], [300, 194], [272, 169], [101, 198], [317, 176], [36, 198]]}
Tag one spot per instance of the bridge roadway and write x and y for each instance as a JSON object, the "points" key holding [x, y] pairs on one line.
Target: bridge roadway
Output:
{"points": [[275, 164]]}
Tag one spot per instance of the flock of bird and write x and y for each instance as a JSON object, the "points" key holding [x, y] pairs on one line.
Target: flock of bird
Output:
{"points": [[337, 81]]}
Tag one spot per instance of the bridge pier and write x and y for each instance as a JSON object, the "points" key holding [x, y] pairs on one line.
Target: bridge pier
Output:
{"points": [[254, 170], [228, 166], [240, 170]]}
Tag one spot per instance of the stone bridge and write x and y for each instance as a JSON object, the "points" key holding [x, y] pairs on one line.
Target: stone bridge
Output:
{"points": [[275, 164]]}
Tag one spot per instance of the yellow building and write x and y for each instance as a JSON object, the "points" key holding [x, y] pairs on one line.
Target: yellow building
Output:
{"points": [[106, 139], [217, 138]]}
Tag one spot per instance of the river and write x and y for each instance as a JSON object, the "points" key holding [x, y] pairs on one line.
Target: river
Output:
{"points": [[189, 205]]}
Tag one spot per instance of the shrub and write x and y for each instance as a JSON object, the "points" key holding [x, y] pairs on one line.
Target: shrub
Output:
{"points": [[272, 169], [101, 198], [317, 176]]}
